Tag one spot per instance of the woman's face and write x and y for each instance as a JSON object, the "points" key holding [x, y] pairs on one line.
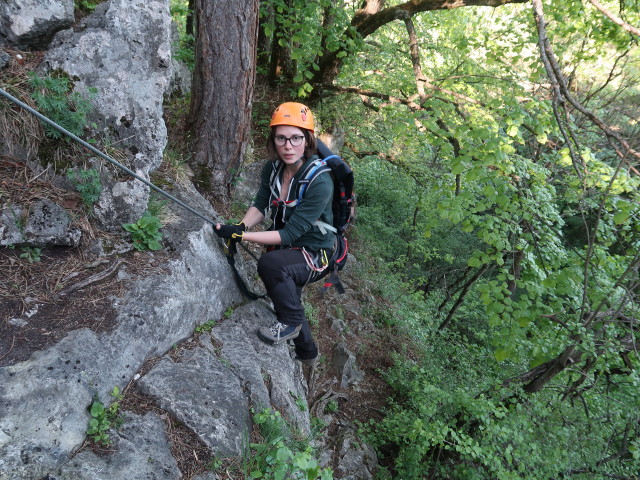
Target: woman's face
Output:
{"points": [[291, 151]]}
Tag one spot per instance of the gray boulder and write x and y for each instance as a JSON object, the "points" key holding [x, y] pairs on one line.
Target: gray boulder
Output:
{"points": [[205, 395], [27, 24], [123, 50], [344, 361], [121, 201], [47, 224], [140, 451], [270, 377], [356, 460], [4, 59]]}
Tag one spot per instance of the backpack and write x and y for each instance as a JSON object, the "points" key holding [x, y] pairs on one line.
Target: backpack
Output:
{"points": [[342, 205]]}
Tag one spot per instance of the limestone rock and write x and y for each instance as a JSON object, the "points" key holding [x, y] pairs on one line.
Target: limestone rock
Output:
{"points": [[357, 461], [47, 224], [140, 451], [29, 24], [204, 395], [270, 375], [123, 50], [344, 361], [54, 387], [4, 59]]}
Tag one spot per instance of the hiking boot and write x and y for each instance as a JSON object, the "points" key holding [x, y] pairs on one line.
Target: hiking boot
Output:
{"points": [[278, 333], [310, 362]]}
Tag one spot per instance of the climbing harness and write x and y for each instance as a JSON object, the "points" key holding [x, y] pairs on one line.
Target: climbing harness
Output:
{"points": [[229, 250]]}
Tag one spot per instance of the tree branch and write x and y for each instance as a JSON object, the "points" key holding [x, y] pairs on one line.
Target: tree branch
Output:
{"points": [[615, 19], [562, 94], [371, 16]]}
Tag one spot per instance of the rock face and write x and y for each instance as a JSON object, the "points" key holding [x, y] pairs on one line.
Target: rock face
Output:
{"points": [[210, 401], [30, 24], [139, 438], [123, 50]]}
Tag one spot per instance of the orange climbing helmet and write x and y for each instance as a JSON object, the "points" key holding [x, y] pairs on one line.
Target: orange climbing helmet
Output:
{"points": [[294, 114]]}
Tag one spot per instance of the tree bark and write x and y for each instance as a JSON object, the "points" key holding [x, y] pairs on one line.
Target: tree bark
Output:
{"points": [[189, 26], [222, 93]]}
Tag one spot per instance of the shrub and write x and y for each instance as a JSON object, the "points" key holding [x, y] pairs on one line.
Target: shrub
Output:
{"points": [[56, 100]]}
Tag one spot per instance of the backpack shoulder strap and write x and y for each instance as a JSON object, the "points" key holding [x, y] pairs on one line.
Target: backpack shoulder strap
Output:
{"points": [[316, 167]]}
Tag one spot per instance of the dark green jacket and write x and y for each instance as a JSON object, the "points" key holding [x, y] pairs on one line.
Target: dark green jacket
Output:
{"points": [[298, 228]]}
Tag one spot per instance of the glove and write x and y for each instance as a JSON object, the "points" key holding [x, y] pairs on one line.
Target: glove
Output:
{"points": [[231, 232]]}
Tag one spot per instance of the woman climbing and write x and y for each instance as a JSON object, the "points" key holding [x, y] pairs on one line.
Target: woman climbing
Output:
{"points": [[298, 247]]}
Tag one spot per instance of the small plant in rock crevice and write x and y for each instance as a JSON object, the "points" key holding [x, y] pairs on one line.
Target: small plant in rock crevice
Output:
{"points": [[104, 418], [87, 6], [205, 327], [299, 401], [145, 232], [87, 183]]}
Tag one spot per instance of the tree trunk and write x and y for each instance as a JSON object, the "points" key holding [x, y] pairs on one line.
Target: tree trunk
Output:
{"points": [[281, 63], [222, 94], [190, 14]]}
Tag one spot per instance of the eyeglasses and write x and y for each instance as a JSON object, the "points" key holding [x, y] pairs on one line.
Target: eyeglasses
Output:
{"points": [[295, 140]]}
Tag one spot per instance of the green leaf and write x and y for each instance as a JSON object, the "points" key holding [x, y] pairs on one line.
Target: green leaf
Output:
{"points": [[154, 245], [458, 168], [474, 262], [621, 217], [97, 409], [501, 354]]}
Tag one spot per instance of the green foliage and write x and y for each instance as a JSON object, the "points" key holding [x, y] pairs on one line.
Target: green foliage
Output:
{"points": [[299, 401], [205, 327], [280, 455], [156, 204], [452, 416], [550, 247], [31, 254], [311, 314], [87, 6], [184, 48], [55, 99], [145, 232], [298, 26], [87, 183], [185, 51], [332, 406], [104, 418]]}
